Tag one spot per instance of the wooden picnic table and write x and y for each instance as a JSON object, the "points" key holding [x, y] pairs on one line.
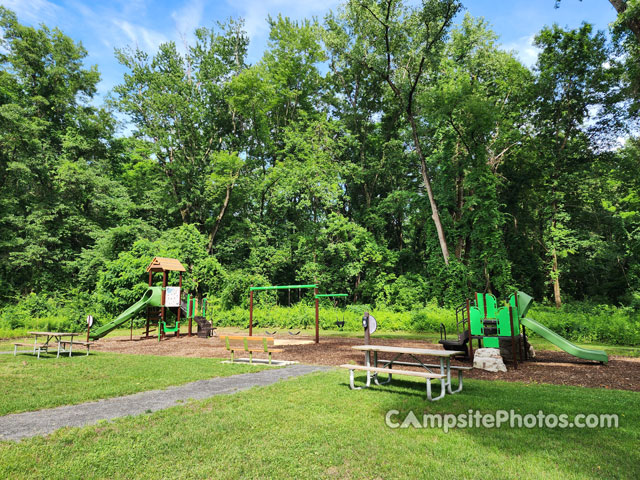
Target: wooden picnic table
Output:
{"points": [[441, 371], [57, 336]]}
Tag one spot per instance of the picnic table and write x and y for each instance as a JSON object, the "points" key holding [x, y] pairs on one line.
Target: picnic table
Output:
{"points": [[47, 345], [441, 371]]}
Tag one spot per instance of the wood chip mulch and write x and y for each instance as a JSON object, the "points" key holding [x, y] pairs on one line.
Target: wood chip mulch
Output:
{"points": [[557, 368]]}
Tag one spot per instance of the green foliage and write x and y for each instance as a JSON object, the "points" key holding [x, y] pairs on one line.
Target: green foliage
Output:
{"points": [[354, 154], [584, 322], [42, 312]]}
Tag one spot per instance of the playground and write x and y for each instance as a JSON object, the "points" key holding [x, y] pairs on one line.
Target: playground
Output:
{"points": [[550, 366], [170, 396]]}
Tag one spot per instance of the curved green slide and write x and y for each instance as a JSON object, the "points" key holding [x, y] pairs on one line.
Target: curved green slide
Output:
{"points": [[152, 297], [563, 343]]}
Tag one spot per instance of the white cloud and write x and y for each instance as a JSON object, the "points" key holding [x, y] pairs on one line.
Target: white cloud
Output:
{"points": [[524, 49], [189, 17], [37, 11], [140, 36], [255, 12]]}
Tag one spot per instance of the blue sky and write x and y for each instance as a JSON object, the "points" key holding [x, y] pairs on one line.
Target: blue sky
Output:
{"points": [[104, 25]]}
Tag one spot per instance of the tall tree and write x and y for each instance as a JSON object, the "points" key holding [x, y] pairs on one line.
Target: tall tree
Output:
{"points": [[178, 104], [57, 156], [573, 80], [403, 47]]}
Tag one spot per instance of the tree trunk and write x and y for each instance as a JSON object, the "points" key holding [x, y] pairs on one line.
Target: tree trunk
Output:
{"points": [[555, 273], [216, 227], [427, 184], [556, 280], [633, 24]]}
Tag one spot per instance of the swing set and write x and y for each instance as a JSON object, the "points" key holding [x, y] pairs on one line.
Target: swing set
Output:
{"points": [[317, 297], [337, 296], [253, 289]]}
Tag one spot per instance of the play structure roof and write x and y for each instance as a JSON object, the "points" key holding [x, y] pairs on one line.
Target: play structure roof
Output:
{"points": [[161, 264]]}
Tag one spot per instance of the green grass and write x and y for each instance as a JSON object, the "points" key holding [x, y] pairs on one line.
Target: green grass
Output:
{"points": [[315, 427], [28, 383]]}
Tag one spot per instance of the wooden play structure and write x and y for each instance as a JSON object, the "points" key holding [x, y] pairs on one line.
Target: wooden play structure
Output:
{"points": [[158, 314]]}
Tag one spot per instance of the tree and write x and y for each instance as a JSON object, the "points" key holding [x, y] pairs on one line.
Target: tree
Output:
{"points": [[572, 81], [403, 47], [178, 103], [57, 181]]}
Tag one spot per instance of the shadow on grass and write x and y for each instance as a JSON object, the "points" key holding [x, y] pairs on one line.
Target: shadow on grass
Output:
{"points": [[587, 452]]}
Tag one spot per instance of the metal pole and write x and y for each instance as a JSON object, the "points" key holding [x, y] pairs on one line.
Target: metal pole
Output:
{"points": [[513, 341], [469, 323], [251, 312], [315, 292]]}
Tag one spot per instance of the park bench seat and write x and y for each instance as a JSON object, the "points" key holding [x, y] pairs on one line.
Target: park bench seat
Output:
{"points": [[430, 365], [87, 345], [35, 347], [250, 344], [428, 376], [394, 371]]}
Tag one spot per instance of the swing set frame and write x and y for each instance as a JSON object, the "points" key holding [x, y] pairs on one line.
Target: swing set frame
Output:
{"points": [[284, 287]]}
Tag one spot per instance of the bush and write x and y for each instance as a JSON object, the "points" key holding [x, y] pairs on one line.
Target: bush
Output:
{"points": [[45, 312]]}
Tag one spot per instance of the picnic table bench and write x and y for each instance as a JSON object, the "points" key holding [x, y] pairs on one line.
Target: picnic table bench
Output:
{"points": [[37, 347], [250, 344], [372, 368], [87, 345]]}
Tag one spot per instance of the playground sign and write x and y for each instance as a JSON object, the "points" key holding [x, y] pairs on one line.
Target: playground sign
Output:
{"points": [[172, 297], [90, 321]]}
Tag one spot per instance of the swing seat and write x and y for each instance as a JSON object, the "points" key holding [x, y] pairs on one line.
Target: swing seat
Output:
{"points": [[294, 333], [340, 323], [270, 333], [166, 329]]}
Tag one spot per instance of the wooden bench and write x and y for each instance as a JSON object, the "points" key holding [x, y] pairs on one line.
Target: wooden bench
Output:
{"points": [[250, 344], [428, 376], [73, 343], [36, 347]]}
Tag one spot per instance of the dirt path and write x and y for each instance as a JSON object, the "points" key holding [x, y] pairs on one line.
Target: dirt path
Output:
{"points": [[42, 422], [549, 367]]}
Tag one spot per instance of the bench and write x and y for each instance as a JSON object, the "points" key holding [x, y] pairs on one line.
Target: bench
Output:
{"points": [[63, 344], [250, 344], [36, 347], [430, 365], [428, 376]]}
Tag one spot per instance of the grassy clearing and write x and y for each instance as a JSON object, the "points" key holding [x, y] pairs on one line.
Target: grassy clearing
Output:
{"points": [[315, 427], [29, 383]]}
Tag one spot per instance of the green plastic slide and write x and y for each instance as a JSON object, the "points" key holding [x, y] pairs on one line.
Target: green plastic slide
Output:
{"points": [[152, 297], [564, 344]]}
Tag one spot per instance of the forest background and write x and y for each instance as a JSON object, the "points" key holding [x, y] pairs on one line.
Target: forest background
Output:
{"points": [[394, 153]]}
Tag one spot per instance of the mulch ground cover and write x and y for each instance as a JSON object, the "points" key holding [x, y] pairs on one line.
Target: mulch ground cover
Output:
{"points": [[548, 367]]}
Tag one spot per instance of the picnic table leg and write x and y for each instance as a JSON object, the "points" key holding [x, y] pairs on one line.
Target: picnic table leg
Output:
{"points": [[459, 389], [442, 390], [59, 343], [446, 370], [375, 375], [70, 346], [35, 346]]}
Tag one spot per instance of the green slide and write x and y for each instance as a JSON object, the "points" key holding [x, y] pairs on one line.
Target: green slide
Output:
{"points": [[152, 297], [563, 343]]}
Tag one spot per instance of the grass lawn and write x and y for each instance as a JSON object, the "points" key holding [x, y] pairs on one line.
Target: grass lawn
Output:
{"points": [[315, 427], [28, 383]]}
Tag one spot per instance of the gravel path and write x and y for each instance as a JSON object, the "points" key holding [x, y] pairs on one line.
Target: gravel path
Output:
{"points": [[42, 422]]}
